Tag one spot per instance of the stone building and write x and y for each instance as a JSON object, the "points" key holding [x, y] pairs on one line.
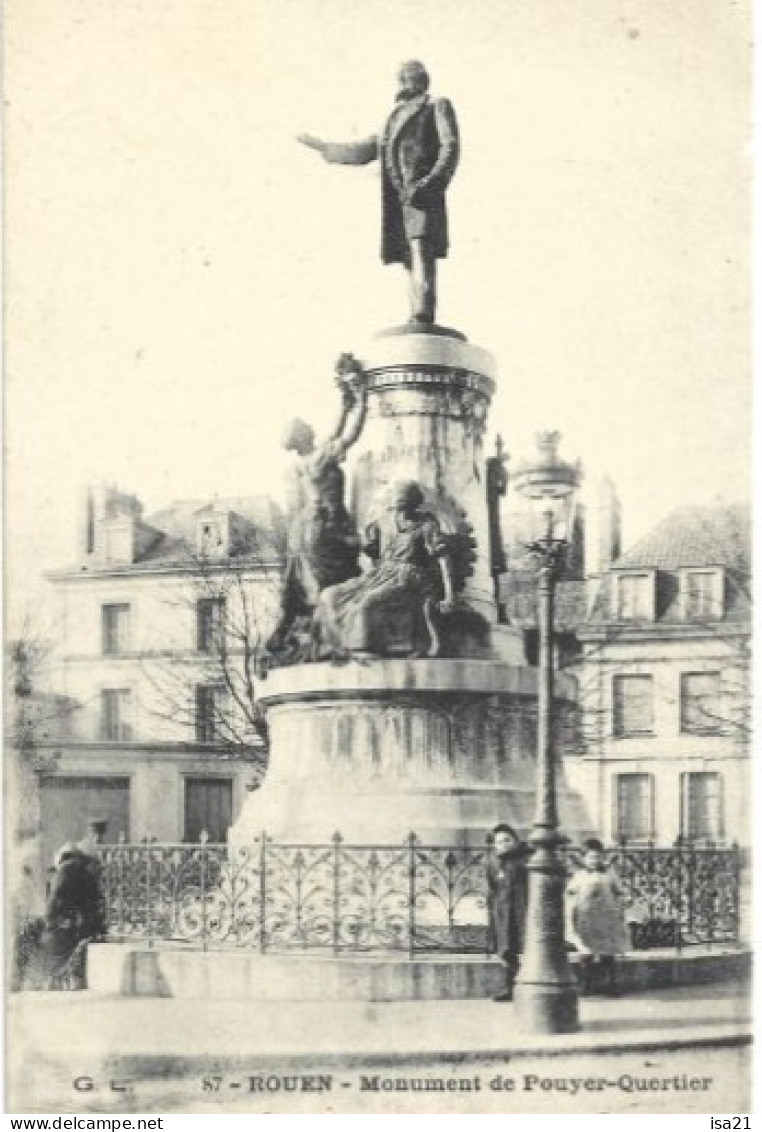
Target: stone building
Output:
{"points": [[664, 684], [659, 640], [161, 623]]}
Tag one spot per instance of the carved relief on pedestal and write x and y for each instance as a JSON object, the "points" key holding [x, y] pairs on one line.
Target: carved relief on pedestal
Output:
{"points": [[456, 396], [408, 375], [426, 740]]}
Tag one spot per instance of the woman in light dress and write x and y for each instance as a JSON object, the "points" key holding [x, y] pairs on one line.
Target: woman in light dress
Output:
{"points": [[596, 923]]}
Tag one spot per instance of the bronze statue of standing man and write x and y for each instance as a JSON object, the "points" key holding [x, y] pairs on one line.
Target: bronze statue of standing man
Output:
{"points": [[418, 151]]}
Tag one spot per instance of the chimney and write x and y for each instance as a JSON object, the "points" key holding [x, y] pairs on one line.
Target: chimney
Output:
{"points": [[87, 530], [113, 521], [603, 535]]}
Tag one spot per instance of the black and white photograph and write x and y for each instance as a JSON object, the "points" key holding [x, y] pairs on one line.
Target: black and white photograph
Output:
{"points": [[378, 564]]}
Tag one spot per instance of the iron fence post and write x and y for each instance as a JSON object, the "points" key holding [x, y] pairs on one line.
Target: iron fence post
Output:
{"points": [[299, 863], [736, 897], [149, 917], [487, 864], [203, 837], [120, 851], [263, 893], [450, 863], [650, 882], [710, 851], [337, 839], [411, 894], [678, 912]]}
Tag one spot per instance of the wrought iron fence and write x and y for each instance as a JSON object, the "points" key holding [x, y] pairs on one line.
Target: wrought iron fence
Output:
{"points": [[415, 898]]}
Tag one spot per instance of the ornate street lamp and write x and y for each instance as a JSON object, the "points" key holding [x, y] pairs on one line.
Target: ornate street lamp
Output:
{"points": [[545, 995]]}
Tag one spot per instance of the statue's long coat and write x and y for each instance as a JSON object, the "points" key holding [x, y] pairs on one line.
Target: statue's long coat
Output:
{"points": [[419, 140]]}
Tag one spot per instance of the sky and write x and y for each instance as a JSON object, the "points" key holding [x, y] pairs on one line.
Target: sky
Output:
{"points": [[181, 275]]}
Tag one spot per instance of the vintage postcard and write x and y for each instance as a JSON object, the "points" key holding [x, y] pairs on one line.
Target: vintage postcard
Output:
{"points": [[378, 565]]}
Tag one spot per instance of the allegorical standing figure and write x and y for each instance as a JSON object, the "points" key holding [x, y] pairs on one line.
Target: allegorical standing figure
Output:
{"points": [[596, 923], [418, 151], [507, 892], [323, 545]]}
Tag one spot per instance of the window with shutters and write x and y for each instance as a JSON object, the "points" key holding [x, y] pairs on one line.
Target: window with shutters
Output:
{"points": [[210, 619], [115, 628], [633, 816], [211, 704], [116, 711], [635, 597], [700, 696], [208, 808], [701, 593], [702, 817], [633, 705]]}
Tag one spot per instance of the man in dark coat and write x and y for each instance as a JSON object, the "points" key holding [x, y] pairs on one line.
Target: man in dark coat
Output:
{"points": [[507, 890], [74, 914], [418, 150]]}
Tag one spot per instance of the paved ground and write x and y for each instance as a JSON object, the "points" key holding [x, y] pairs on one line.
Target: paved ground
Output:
{"points": [[77, 1052]]}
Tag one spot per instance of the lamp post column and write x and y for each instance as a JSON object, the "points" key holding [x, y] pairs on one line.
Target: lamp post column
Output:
{"points": [[545, 994]]}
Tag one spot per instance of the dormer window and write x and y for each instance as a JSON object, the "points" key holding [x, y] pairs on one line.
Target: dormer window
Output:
{"points": [[701, 594], [213, 535], [634, 596]]}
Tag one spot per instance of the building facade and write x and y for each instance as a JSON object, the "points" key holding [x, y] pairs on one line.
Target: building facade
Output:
{"points": [[162, 623], [664, 684]]}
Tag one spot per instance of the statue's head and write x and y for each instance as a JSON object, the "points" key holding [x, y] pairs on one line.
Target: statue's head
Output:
{"points": [[298, 437], [413, 79], [408, 496]]}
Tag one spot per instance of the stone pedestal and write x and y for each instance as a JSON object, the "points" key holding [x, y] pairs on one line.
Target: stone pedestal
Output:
{"points": [[379, 748]]}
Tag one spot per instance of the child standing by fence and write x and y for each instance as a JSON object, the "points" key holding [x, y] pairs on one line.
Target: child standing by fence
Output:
{"points": [[596, 923], [507, 902]]}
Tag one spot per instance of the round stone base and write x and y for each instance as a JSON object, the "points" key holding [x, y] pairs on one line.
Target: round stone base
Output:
{"points": [[378, 749]]}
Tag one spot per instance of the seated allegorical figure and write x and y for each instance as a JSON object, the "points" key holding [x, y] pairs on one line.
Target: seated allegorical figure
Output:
{"points": [[412, 574]]}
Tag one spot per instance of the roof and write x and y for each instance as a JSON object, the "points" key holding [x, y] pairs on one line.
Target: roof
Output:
{"points": [[166, 538], [689, 538], [695, 536], [263, 530]]}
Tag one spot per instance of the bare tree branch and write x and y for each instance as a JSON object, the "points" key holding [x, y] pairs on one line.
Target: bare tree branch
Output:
{"points": [[227, 662]]}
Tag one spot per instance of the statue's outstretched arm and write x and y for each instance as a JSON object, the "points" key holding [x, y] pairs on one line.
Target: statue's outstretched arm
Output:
{"points": [[343, 153]]}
